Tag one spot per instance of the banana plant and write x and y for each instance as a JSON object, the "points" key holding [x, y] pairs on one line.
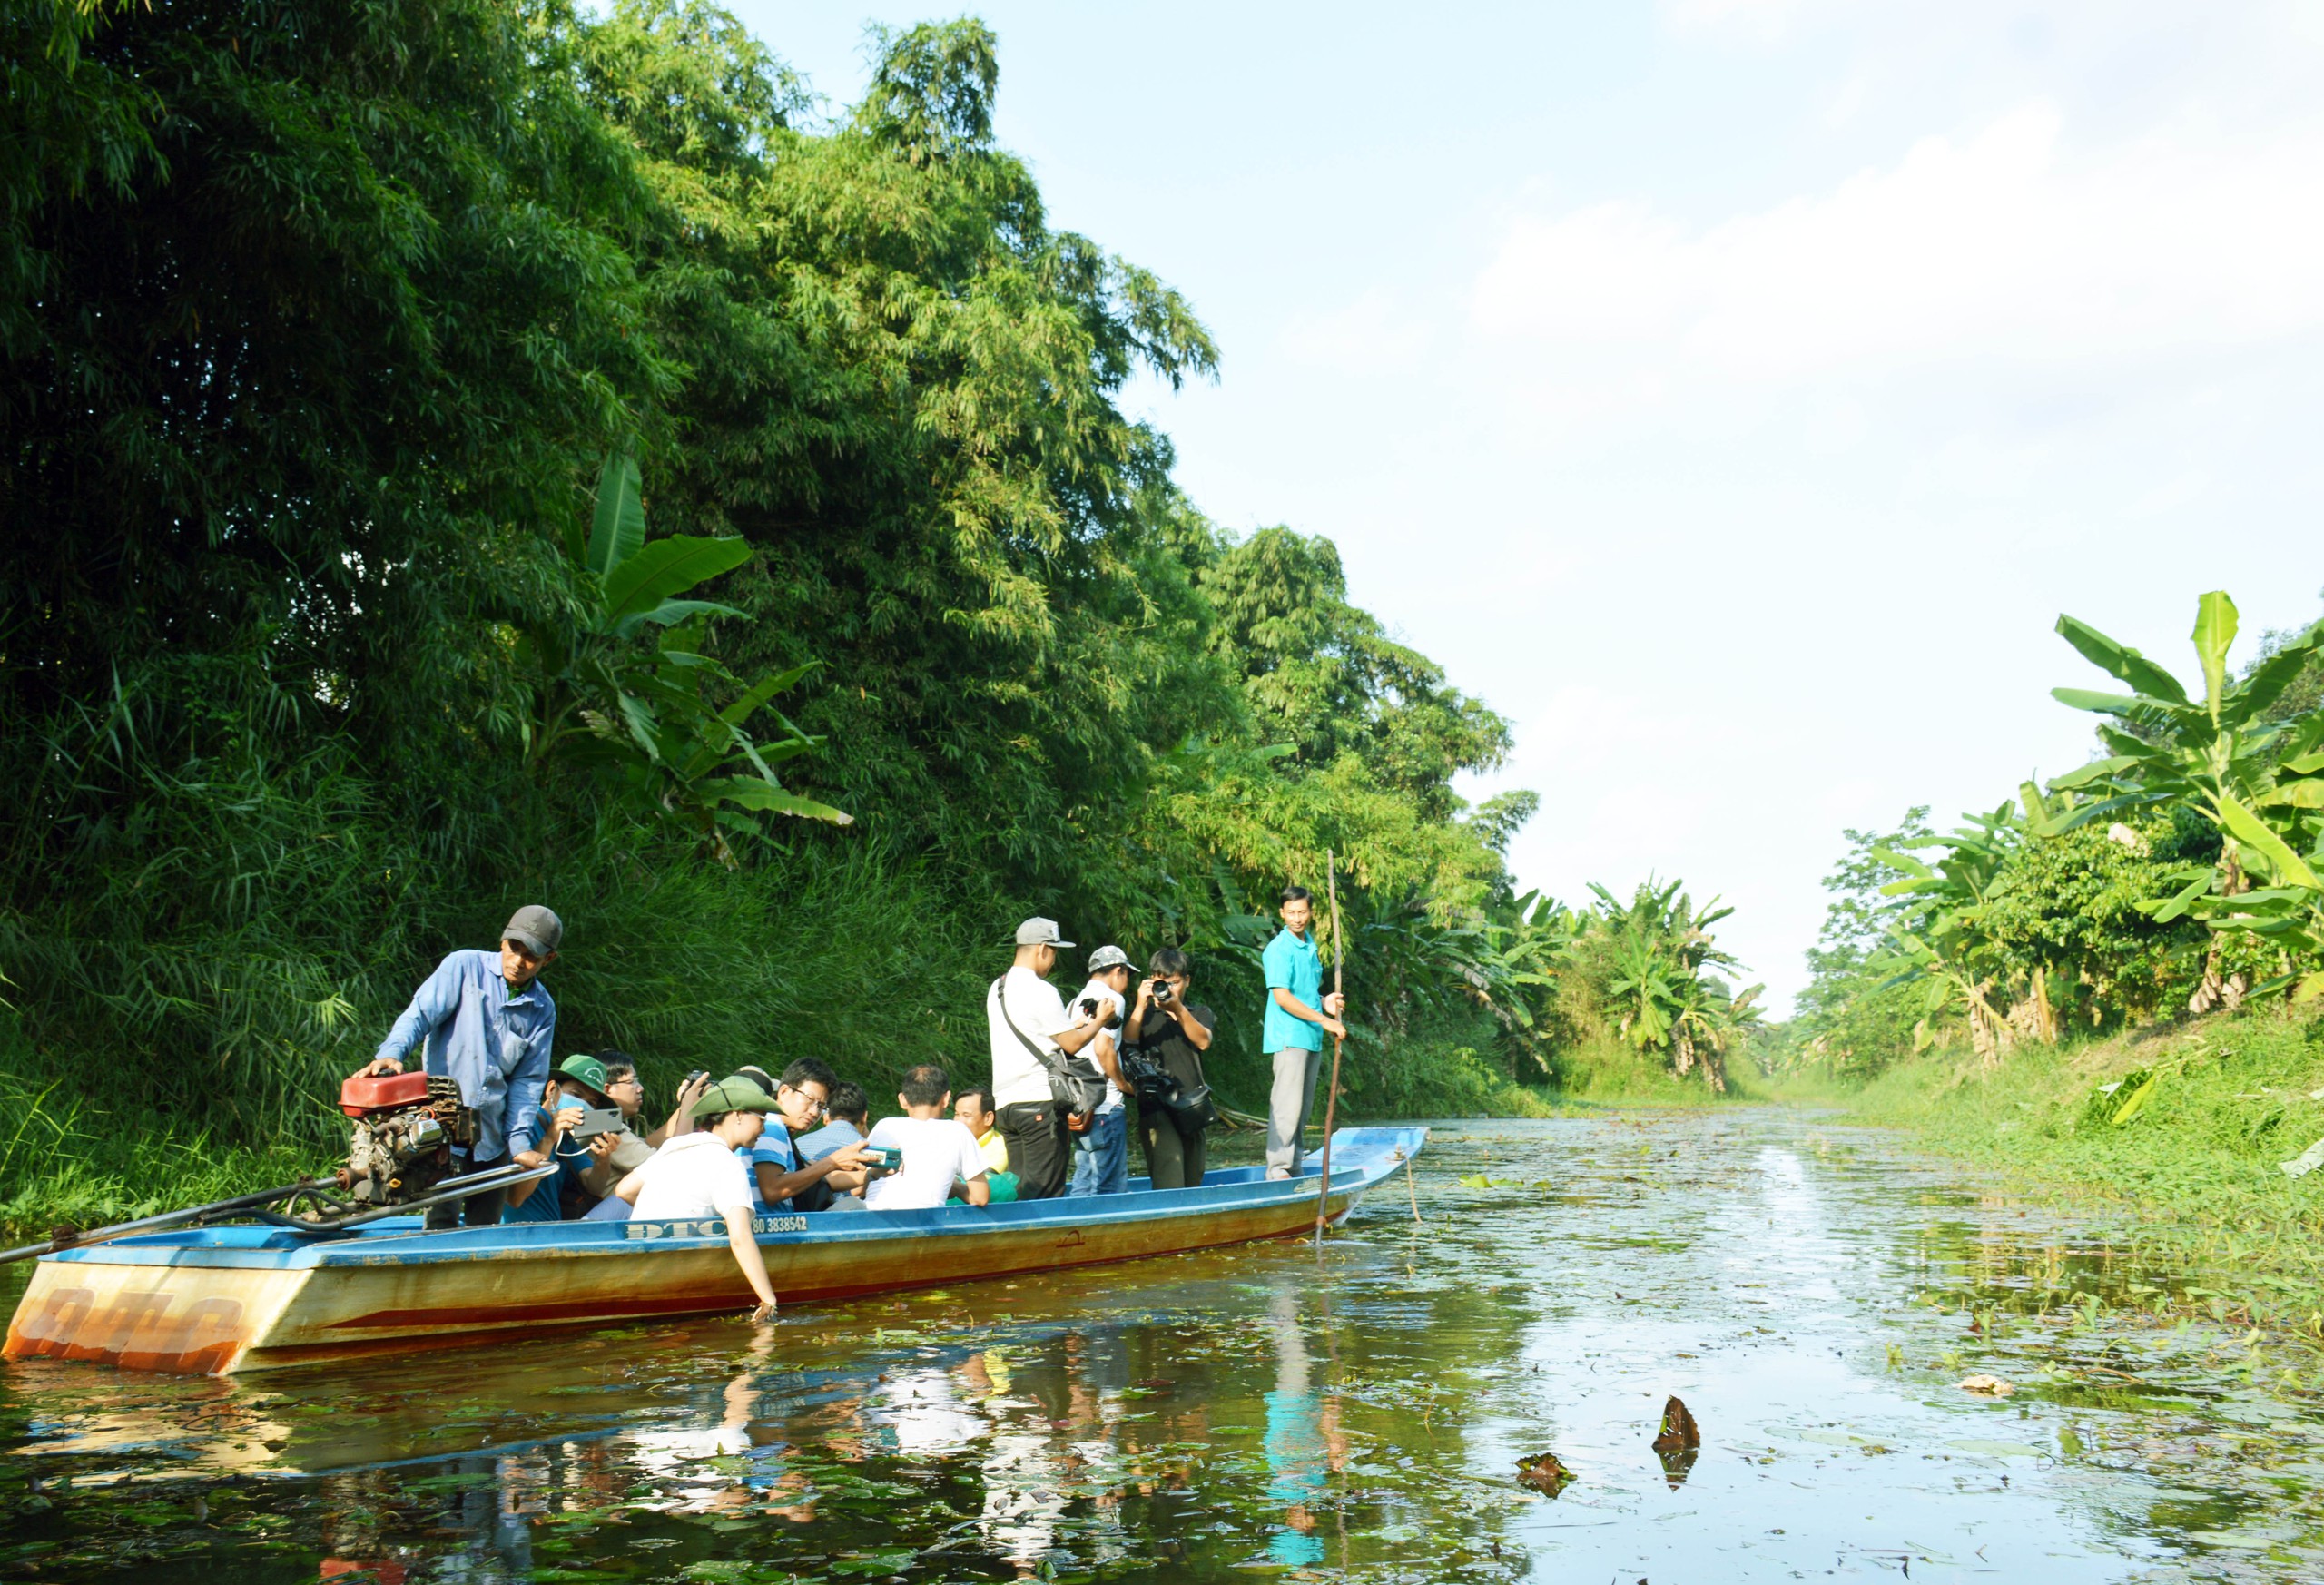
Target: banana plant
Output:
{"points": [[1939, 940], [626, 687], [2255, 780], [1656, 988], [1708, 1022]]}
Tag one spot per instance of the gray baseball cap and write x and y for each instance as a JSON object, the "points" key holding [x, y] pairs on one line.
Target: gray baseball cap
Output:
{"points": [[1106, 957], [1040, 933], [535, 928]]}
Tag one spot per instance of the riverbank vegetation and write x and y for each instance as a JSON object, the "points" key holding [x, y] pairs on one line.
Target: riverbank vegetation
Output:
{"points": [[472, 454], [2112, 980]]}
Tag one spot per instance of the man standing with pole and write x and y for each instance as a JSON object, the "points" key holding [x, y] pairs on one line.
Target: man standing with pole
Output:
{"points": [[1295, 1030]]}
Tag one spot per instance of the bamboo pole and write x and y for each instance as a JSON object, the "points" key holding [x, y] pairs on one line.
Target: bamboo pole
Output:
{"points": [[1332, 1096]]}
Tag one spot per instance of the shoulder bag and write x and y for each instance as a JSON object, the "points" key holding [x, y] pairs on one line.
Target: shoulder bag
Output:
{"points": [[1075, 1085]]}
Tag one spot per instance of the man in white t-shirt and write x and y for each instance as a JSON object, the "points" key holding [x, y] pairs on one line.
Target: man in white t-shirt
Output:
{"points": [[937, 1150], [1022, 1002], [700, 1175], [1101, 1151]]}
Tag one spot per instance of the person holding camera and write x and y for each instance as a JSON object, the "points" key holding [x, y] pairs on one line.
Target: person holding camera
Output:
{"points": [[1029, 1030], [1101, 1151], [1167, 1036]]}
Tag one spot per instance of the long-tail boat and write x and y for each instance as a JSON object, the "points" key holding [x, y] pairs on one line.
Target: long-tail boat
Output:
{"points": [[214, 1300]]}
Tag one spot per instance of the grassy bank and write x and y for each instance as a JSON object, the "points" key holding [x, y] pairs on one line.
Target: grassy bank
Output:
{"points": [[2186, 1125]]}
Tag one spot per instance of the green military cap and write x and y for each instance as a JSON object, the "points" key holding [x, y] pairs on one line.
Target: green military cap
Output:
{"points": [[588, 1070]]}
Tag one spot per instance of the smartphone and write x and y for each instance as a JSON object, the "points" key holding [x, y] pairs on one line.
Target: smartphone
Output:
{"points": [[595, 1121], [886, 1157]]}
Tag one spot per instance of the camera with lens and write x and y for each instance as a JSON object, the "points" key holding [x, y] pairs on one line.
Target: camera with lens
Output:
{"points": [[1163, 989], [1146, 1075]]}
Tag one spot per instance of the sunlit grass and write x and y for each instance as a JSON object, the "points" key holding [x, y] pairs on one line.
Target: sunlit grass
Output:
{"points": [[2199, 1160]]}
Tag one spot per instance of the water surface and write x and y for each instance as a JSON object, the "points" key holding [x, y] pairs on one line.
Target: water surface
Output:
{"points": [[1813, 1292]]}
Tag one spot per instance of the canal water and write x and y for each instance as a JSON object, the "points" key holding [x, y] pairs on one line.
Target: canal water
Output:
{"points": [[1815, 1294]]}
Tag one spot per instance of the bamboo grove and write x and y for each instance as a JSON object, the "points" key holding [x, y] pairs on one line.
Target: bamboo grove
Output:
{"points": [[2173, 875], [466, 451]]}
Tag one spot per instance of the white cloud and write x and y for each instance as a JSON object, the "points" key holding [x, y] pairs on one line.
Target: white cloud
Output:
{"points": [[2004, 248]]}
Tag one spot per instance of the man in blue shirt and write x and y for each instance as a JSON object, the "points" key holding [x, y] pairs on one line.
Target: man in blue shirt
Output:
{"points": [[484, 1018], [1295, 1030], [780, 1178]]}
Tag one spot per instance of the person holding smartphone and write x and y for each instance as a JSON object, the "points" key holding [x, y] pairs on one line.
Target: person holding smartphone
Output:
{"points": [[582, 1136]]}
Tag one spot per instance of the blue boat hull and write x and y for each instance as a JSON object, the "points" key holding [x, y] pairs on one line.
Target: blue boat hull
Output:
{"points": [[216, 1300]]}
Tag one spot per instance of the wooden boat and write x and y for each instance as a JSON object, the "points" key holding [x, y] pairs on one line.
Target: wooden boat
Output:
{"points": [[221, 1299]]}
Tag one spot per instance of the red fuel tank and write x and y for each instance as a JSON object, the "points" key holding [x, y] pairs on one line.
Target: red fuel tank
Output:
{"points": [[385, 1093]]}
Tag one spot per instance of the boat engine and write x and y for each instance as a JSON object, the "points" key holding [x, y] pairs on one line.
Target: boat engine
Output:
{"points": [[405, 1125]]}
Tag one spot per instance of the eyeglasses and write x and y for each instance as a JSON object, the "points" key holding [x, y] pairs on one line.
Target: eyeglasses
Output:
{"points": [[819, 1108], [632, 1082]]}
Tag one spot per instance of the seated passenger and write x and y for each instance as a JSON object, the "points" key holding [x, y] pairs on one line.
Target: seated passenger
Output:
{"points": [[585, 1171], [975, 1112], [581, 1193], [783, 1182], [700, 1175], [628, 1091], [850, 1119], [938, 1150]]}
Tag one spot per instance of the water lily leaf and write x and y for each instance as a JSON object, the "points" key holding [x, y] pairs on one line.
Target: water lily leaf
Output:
{"points": [[1544, 1472]]}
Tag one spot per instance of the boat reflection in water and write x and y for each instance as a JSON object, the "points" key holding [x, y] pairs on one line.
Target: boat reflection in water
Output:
{"points": [[1354, 1412]]}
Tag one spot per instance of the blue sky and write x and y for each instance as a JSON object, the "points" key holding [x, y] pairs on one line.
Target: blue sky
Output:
{"points": [[1731, 392]]}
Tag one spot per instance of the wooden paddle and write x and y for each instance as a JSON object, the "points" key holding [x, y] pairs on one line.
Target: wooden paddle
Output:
{"points": [[1339, 987]]}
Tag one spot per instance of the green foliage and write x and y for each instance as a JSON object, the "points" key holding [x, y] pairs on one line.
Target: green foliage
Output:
{"points": [[321, 321], [1853, 1018], [900, 392], [2077, 906], [2222, 755], [1637, 970], [2124, 889], [1324, 676], [648, 715]]}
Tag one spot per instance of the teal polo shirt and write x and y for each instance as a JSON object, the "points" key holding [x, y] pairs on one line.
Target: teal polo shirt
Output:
{"points": [[1292, 964]]}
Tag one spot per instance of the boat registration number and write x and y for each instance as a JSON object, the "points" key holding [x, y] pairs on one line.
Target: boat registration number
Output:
{"points": [[710, 1228]]}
